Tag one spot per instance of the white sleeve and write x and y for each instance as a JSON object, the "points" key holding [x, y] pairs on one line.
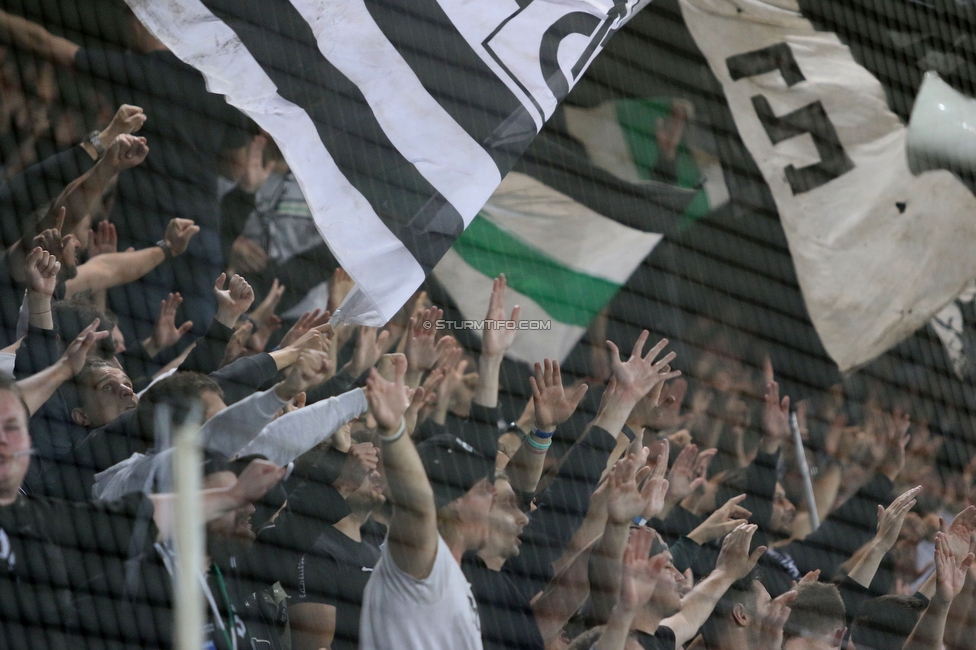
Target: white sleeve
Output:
{"points": [[235, 426], [294, 433]]}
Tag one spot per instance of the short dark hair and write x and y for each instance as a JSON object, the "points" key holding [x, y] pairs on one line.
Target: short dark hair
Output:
{"points": [[818, 609], [180, 391], [84, 379], [73, 315], [740, 593], [886, 622]]}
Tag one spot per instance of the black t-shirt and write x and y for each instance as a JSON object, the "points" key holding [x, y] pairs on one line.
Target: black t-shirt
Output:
{"points": [[507, 620], [662, 639], [335, 573], [63, 569]]}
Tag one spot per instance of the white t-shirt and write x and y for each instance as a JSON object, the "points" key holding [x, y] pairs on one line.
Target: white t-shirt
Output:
{"points": [[403, 613]]}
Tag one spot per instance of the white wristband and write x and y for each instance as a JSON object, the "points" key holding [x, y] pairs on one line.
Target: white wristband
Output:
{"points": [[396, 436]]}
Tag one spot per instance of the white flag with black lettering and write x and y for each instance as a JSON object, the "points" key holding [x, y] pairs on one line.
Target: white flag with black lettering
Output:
{"points": [[399, 118], [877, 250]]}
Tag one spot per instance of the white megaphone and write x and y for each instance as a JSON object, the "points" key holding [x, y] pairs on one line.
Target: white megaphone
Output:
{"points": [[942, 128]]}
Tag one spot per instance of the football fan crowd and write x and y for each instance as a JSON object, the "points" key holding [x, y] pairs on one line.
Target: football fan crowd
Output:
{"points": [[362, 488]]}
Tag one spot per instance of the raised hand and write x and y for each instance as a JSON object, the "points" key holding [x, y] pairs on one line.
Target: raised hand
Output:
{"points": [[776, 419], [318, 338], [361, 459], [453, 378], [179, 232], [895, 438], [734, 559], [655, 488], [340, 284], [553, 405], [771, 624], [264, 318], [422, 347], [667, 414], [962, 532], [421, 398], [246, 256], [42, 272], [389, 400], [237, 345], [310, 369], [624, 500], [496, 340], [721, 522], [165, 332], [233, 301], [640, 374], [369, 348], [128, 119], [307, 321], [683, 478], [103, 240], [640, 570], [126, 151], [256, 171], [890, 520], [77, 351], [950, 571], [51, 239], [254, 482]]}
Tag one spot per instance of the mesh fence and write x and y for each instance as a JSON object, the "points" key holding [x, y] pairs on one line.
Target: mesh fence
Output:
{"points": [[652, 199]]}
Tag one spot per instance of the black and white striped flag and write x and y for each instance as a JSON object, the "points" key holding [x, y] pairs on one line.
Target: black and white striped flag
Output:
{"points": [[398, 117]]}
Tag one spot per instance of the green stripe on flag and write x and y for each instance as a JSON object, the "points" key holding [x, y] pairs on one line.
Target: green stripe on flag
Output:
{"points": [[638, 122], [568, 296]]}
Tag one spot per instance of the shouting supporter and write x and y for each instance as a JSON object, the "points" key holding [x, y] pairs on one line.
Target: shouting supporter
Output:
{"points": [[50, 548]]}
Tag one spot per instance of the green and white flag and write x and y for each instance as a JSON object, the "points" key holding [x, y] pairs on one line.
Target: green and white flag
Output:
{"points": [[621, 136], [563, 261]]}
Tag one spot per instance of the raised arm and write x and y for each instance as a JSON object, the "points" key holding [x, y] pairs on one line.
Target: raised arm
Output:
{"points": [[236, 426], [29, 36], [253, 483], [114, 269], [734, 562], [39, 387], [637, 584], [553, 406], [634, 379], [890, 521], [495, 341], [82, 194], [422, 348], [950, 577], [42, 276], [625, 502], [412, 537]]}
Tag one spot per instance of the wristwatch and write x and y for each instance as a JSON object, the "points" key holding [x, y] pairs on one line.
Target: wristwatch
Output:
{"points": [[96, 141], [167, 251]]}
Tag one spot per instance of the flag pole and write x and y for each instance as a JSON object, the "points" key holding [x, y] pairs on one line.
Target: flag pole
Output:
{"points": [[801, 460], [188, 534]]}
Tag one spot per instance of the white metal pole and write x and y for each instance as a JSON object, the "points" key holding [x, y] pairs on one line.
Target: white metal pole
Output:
{"points": [[801, 460], [189, 535]]}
